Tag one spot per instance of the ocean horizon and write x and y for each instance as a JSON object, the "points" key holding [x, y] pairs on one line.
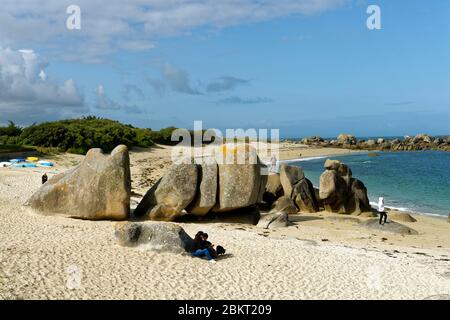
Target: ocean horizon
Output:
{"points": [[412, 181]]}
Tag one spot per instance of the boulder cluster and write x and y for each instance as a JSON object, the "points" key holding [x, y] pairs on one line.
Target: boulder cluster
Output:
{"points": [[291, 192], [231, 181], [348, 141], [100, 187], [340, 192]]}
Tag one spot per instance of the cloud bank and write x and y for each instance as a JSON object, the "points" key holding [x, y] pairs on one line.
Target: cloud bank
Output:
{"points": [[133, 25]]}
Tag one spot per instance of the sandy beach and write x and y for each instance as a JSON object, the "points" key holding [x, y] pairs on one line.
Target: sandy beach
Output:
{"points": [[321, 256]]}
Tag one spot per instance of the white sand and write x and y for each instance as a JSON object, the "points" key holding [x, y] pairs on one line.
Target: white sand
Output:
{"points": [[293, 263]]}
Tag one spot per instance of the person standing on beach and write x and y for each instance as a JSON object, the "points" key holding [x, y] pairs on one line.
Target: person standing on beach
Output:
{"points": [[44, 178], [381, 210]]}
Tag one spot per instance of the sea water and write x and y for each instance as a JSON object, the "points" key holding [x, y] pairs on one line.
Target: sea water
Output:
{"points": [[416, 181]]}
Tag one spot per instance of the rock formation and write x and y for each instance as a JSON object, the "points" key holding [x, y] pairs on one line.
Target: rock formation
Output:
{"points": [[418, 142], [98, 188], [305, 197], [229, 181], [289, 176], [340, 192]]}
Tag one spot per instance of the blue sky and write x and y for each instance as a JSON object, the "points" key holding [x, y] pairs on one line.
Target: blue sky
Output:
{"points": [[307, 67]]}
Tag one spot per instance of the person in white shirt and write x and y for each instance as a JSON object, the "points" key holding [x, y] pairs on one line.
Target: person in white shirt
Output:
{"points": [[274, 164], [381, 210]]}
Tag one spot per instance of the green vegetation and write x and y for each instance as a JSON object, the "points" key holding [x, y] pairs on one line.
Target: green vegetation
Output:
{"points": [[80, 135]]}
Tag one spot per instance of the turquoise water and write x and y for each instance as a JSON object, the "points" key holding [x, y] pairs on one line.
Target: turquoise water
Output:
{"points": [[413, 181]]}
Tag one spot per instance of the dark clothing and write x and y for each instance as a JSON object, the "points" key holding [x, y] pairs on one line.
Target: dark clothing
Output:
{"points": [[44, 178], [204, 244], [383, 214]]}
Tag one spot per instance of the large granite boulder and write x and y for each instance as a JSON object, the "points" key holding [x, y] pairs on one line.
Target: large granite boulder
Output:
{"points": [[206, 196], [161, 237], [305, 196], [289, 176], [358, 201], [241, 182], [167, 199], [273, 189], [98, 188], [339, 192]]}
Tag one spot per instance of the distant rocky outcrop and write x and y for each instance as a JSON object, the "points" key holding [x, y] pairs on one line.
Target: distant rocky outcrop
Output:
{"points": [[345, 138], [98, 188], [418, 142], [340, 192], [161, 237]]}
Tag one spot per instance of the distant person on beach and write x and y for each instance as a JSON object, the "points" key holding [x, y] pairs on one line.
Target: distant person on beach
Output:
{"points": [[274, 164], [44, 178], [381, 210]]}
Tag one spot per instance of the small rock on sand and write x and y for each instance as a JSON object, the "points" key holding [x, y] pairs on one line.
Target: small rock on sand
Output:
{"points": [[400, 216], [163, 237]]}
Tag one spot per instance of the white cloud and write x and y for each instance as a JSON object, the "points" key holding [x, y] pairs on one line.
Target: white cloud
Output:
{"points": [[134, 24], [23, 82], [174, 78], [102, 101]]}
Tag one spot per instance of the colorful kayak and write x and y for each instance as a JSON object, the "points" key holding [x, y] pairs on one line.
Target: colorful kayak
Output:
{"points": [[45, 163], [24, 165], [5, 164], [32, 159], [17, 160]]}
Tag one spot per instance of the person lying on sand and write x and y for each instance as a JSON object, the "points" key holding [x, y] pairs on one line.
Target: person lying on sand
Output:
{"points": [[206, 248], [210, 253]]}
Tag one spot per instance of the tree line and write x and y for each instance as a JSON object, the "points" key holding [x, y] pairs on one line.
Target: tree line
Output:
{"points": [[80, 135]]}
